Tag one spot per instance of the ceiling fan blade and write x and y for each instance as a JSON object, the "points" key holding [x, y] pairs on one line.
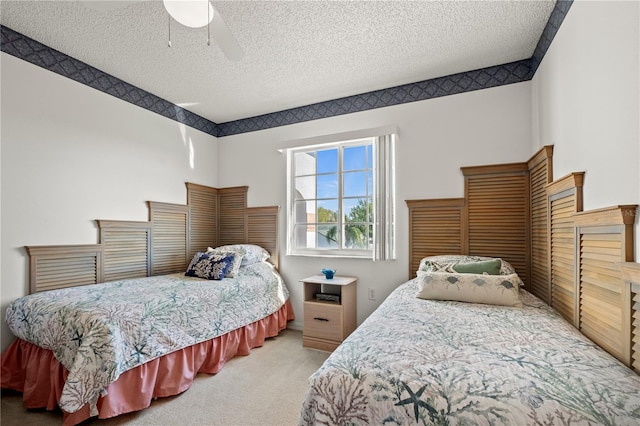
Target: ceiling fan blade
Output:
{"points": [[225, 39], [107, 5]]}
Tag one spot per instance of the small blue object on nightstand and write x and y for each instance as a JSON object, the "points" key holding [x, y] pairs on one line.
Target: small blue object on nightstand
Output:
{"points": [[328, 273]]}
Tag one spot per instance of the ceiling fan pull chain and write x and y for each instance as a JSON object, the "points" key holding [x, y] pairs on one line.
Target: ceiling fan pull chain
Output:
{"points": [[169, 44], [208, 25]]}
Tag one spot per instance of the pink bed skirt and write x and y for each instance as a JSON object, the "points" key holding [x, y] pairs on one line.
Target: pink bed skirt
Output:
{"points": [[36, 373]]}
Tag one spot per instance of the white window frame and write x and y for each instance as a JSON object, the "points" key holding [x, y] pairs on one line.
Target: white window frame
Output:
{"points": [[383, 195]]}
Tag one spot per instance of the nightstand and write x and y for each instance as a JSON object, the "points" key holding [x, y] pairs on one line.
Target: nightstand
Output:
{"points": [[327, 323]]}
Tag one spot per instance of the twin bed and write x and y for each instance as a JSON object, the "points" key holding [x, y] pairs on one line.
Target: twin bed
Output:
{"points": [[464, 342], [429, 361], [161, 306], [100, 332]]}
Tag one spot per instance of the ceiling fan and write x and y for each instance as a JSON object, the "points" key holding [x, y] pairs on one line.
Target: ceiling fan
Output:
{"points": [[190, 13]]}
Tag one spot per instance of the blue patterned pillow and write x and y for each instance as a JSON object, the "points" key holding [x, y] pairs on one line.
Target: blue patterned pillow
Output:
{"points": [[237, 262], [210, 266]]}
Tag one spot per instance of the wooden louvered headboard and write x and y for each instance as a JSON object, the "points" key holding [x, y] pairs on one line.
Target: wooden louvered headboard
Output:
{"points": [[232, 226], [498, 217], [126, 249], [436, 227], [540, 174], [52, 267], [262, 229], [170, 237], [163, 245], [203, 205]]}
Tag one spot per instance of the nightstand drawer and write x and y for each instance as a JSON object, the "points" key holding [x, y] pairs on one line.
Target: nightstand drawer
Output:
{"points": [[323, 321]]}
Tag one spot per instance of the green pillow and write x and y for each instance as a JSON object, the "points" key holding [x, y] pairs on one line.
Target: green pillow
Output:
{"points": [[491, 267]]}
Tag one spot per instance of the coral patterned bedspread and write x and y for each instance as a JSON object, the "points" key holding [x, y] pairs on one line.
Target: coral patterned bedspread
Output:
{"points": [[100, 331], [416, 361]]}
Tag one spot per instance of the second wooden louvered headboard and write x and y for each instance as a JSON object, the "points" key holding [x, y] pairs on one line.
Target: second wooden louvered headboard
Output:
{"points": [[564, 200], [503, 214], [631, 277], [569, 258], [604, 239], [163, 245]]}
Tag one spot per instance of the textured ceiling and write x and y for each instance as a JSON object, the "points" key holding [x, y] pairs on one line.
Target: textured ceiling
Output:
{"points": [[296, 52]]}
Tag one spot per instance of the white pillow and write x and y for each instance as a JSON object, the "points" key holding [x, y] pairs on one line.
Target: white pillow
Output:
{"points": [[473, 288], [251, 253], [445, 263]]}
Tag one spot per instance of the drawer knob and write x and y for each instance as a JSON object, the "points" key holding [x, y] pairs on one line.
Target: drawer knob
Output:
{"points": [[320, 319]]}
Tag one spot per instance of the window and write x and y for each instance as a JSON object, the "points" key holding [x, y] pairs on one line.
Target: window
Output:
{"points": [[340, 199]]}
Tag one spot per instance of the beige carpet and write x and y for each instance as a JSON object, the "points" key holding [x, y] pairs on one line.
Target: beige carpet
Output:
{"points": [[264, 388]]}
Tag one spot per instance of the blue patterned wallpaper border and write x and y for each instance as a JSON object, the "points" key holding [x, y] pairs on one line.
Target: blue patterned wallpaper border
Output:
{"points": [[553, 25], [32, 51], [484, 78], [499, 75], [41, 55]]}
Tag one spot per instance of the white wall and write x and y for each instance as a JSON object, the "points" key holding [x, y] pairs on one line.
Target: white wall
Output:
{"points": [[71, 154], [436, 138], [586, 102]]}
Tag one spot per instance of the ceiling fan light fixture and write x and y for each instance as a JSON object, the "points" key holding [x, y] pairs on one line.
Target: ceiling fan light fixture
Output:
{"points": [[190, 13]]}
